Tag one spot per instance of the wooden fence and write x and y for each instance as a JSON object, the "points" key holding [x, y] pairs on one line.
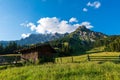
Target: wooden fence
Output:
{"points": [[103, 58], [9, 59], [65, 59]]}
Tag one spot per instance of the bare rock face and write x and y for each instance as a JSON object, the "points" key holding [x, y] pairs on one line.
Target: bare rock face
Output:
{"points": [[86, 34]]}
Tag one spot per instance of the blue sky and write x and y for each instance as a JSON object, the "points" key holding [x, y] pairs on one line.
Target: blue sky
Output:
{"points": [[24, 17]]}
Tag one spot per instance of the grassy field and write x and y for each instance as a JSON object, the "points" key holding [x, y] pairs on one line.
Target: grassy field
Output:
{"points": [[79, 69]]}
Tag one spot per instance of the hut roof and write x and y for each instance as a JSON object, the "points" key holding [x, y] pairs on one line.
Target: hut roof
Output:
{"points": [[35, 47]]}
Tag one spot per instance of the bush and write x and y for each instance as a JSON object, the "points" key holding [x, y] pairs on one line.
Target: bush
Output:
{"points": [[46, 59]]}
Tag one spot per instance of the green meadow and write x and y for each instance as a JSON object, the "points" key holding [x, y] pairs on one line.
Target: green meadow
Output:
{"points": [[79, 69]]}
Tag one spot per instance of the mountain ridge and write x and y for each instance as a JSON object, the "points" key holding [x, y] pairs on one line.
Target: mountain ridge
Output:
{"points": [[36, 38], [79, 41], [86, 34], [81, 32]]}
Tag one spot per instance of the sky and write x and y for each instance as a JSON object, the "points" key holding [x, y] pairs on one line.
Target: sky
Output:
{"points": [[20, 18]]}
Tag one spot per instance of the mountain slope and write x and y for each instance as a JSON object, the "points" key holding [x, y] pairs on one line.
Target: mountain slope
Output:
{"points": [[77, 42], [80, 34], [85, 34], [40, 38], [37, 38]]}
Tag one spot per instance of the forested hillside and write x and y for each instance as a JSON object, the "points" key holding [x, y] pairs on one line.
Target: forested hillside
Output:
{"points": [[111, 43], [77, 42]]}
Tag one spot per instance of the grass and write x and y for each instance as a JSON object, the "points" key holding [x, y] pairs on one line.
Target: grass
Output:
{"points": [[80, 69], [83, 58], [70, 71]]}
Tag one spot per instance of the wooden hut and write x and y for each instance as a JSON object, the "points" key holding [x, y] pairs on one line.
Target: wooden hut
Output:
{"points": [[43, 53]]}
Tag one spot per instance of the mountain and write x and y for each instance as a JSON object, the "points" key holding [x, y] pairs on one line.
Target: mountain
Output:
{"points": [[40, 38], [77, 42], [4, 43], [81, 33], [37, 38], [80, 40], [85, 34]]}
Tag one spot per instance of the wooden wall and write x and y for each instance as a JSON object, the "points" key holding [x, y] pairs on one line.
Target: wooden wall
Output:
{"points": [[30, 56]]}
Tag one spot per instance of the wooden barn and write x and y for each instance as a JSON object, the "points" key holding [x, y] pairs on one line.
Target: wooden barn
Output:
{"points": [[41, 53]]}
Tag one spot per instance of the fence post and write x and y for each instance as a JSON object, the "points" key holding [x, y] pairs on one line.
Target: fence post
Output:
{"points": [[61, 60], [57, 60], [16, 59], [88, 58], [72, 58], [119, 57]]}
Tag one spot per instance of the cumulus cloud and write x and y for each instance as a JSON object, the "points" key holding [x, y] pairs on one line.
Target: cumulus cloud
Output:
{"points": [[85, 9], [32, 26], [87, 24], [95, 4], [25, 35], [53, 25], [73, 20]]}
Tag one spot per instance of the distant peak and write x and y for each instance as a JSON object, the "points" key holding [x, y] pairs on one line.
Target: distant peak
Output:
{"points": [[82, 28]]}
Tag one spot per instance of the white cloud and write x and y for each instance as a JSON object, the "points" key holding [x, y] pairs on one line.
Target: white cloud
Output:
{"points": [[25, 35], [53, 25], [31, 25], [95, 4], [87, 24], [85, 9], [73, 20]]}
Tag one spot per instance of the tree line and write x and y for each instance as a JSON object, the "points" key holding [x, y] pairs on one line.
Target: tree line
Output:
{"points": [[111, 44], [70, 46], [9, 48]]}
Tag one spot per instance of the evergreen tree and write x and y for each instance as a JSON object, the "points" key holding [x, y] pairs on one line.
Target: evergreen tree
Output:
{"points": [[1, 48], [11, 47]]}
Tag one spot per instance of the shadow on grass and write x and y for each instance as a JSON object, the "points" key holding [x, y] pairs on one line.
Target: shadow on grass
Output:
{"points": [[102, 62], [5, 66], [93, 52], [84, 53]]}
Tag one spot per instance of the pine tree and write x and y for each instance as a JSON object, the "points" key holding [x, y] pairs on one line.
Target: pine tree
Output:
{"points": [[1, 48]]}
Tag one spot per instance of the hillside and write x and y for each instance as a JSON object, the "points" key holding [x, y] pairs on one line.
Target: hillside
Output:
{"points": [[80, 69], [77, 42], [111, 43]]}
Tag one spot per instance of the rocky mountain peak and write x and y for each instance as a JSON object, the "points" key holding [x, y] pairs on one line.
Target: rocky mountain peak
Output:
{"points": [[82, 28], [86, 34]]}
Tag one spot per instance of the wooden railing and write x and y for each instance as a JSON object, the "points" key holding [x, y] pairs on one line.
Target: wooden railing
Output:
{"points": [[9, 59], [103, 58]]}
